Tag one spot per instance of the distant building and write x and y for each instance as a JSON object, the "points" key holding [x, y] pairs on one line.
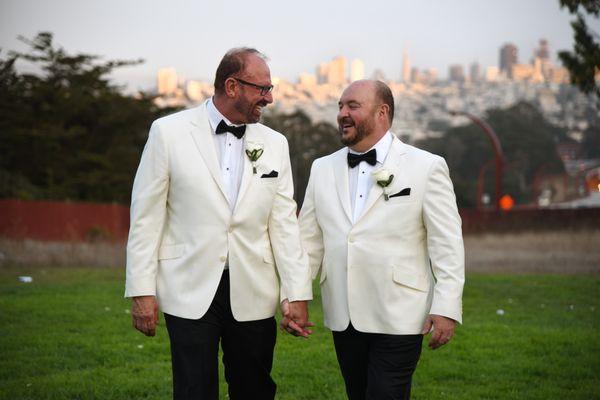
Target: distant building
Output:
{"points": [[543, 52], [456, 73], [415, 75], [322, 73], [357, 70], [197, 91], [336, 71], [167, 81], [492, 74], [378, 75], [406, 71], [508, 58], [475, 72], [307, 80], [333, 72]]}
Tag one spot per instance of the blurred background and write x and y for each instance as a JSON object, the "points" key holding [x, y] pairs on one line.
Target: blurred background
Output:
{"points": [[507, 91]]}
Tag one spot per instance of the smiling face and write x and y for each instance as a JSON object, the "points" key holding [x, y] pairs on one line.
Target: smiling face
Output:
{"points": [[248, 102], [357, 113]]}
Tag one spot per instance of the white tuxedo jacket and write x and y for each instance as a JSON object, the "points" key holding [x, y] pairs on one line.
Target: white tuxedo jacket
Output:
{"points": [[182, 228], [403, 258]]}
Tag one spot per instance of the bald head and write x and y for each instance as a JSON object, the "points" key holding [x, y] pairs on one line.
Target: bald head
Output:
{"points": [[365, 113]]}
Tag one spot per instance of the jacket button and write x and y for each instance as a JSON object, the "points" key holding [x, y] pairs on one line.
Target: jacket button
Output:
{"points": [[223, 258]]}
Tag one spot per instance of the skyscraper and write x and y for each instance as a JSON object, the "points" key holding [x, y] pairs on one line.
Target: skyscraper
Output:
{"points": [[336, 71], [456, 73], [475, 72], [406, 71], [357, 70], [543, 52], [508, 58], [167, 81]]}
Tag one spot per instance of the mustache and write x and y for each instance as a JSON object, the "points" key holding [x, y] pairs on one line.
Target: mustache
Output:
{"points": [[345, 120]]}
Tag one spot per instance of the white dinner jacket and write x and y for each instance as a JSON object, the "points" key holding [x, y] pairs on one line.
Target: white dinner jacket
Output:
{"points": [[401, 260], [182, 228]]}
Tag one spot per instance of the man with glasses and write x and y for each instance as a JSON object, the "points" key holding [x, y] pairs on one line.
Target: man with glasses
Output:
{"points": [[213, 226]]}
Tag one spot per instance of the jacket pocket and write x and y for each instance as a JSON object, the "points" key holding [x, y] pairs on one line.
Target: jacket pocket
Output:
{"points": [[268, 256], [323, 275], [170, 251], [411, 279]]}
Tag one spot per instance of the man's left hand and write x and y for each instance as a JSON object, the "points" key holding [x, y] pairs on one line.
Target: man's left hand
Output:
{"points": [[443, 330], [295, 318]]}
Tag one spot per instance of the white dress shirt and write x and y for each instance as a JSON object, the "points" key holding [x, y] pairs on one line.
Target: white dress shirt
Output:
{"points": [[360, 179], [230, 153]]}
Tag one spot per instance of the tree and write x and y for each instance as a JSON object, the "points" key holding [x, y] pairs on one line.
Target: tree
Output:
{"points": [[528, 142], [307, 141], [584, 62], [67, 132]]}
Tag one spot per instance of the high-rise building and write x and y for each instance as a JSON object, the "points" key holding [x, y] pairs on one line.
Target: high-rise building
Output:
{"points": [[543, 52], [336, 71], [322, 73], [475, 72], [508, 58], [406, 71], [492, 73], [167, 81], [456, 73], [415, 75], [307, 80], [357, 70]]}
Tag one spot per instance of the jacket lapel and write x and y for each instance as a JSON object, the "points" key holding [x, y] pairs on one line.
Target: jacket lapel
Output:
{"points": [[252, 135], [391, 163], [202, 134], [340, 173]]}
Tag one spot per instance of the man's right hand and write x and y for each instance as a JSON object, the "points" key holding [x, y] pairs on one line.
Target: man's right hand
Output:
{"points": [[295, 318], [144, 311]]}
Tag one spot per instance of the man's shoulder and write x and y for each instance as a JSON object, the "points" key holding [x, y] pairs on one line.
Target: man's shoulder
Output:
{"points": [[179, 117], [329, 159], [419, 155]]}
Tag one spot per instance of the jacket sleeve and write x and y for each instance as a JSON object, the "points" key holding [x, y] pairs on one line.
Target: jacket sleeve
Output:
{"points": [[147, 216], [290, 259], [444, 242], [310, 231]]}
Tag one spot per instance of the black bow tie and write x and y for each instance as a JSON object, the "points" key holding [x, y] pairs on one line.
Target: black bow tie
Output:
{"points": [[369, 157], [237, 131]]}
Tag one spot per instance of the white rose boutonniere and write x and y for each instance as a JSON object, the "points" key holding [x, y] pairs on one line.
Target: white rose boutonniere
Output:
{"points": [[254, 151], [383, 177]]}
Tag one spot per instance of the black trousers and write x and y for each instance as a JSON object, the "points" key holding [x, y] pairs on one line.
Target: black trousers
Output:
{"points": [[247, 352], [377, 366]]}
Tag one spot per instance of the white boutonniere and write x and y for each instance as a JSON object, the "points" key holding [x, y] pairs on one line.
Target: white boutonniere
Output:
{"points": [[383, 177], [254, 151]]}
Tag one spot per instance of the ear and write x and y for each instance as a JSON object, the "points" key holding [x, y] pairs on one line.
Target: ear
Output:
{"points": [[384, 111], [230, 87]]}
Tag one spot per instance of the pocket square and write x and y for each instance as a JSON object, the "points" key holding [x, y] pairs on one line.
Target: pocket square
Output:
{"points": [[272, 174], [403, 192]]}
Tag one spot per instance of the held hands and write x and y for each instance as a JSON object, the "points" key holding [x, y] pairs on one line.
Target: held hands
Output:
{"points": [[441, 328], [295, 318], [144, 312]]}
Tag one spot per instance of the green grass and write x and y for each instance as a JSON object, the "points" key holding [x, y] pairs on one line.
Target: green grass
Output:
{"points": [[67, 336]]}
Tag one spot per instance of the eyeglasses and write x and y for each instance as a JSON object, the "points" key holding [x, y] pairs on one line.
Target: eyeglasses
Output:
{"points": [[263, 89]]}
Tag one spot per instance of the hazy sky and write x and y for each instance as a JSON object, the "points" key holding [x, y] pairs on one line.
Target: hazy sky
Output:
{"points": [[193, 35]]}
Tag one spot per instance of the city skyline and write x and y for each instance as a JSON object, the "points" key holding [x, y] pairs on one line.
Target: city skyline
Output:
{"points": [[192, 38]]}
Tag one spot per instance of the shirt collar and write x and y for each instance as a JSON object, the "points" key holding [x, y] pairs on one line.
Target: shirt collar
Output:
{"points": [[382, 147], [214, 115]]}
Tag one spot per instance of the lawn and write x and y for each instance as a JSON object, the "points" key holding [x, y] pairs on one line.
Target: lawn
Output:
{"points": [[68, 335]]}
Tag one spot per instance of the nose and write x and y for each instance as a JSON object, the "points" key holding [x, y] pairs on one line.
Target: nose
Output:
{"points": [[268, 97], [342, 112]]}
